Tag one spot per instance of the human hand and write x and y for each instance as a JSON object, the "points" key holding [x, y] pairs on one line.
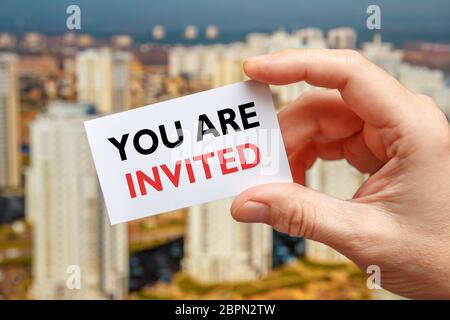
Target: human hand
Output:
{"points": [[399, 219]]}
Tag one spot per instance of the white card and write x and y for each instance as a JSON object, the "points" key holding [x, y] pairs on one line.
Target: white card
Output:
{"points": [[186, 151]]}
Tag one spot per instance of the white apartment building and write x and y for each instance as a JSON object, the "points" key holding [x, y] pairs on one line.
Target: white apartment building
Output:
{"points": [[310, 37], [421, 80], [66, 209], [383, 54], [341, 38], [7, 40], [9, 122], [337, 179], [103, 79], [226, 67], [426, 81], [219, 249], [195, 62]]}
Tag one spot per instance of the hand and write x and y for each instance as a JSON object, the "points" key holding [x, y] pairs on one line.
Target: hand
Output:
{"points": [[399, 219]]}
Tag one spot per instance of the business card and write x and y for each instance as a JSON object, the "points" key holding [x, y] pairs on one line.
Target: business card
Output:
{"points": [[186, 151]]}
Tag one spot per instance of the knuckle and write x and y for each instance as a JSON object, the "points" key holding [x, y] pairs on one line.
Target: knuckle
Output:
{"points": [[432, 117], [298, 219], [354, 57], [355, 54], [295, 219], [308, 96], [427, 100]]}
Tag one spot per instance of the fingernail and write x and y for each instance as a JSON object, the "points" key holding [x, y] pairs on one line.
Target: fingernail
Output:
{"points": [[257, 58], [253, 211]]}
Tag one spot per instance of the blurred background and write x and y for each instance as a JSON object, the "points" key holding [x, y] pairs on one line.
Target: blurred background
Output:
{"points": [[126, 54]]}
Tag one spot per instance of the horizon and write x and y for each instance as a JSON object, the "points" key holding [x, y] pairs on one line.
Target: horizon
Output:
{"points": [[402, 20]]}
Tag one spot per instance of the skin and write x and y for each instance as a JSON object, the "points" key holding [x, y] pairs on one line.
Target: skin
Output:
{"points": [[399, 219]]}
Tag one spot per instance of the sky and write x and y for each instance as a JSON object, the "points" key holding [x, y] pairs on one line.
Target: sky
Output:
{"points": [[137, 17]]}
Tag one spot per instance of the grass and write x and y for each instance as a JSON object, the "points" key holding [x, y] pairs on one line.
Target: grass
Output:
{"points": [[16, 244], [301, 277], [18, 262], [325, 266]]}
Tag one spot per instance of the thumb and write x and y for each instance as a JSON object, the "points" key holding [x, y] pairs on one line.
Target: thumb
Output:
{"points": [[299, 211]]}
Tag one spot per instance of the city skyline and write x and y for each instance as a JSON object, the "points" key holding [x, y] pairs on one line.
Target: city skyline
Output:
{"points": [[217, 249], [401, 20]]}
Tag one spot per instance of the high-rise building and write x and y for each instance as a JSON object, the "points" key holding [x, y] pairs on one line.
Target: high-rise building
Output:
{"points": [[34, 41], [72, 234], [422, 80], [7, 41], [383, 54], [195, 62], [85, 40], [217, 248], [342, 38], [122, 41], [337, 179], [228, 67], [222, 64], [311, 38], [430, 82], [9, 122], [103, 79]]}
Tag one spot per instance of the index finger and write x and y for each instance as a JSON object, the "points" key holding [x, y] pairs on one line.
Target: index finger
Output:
{"points": [[369, 91]]}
